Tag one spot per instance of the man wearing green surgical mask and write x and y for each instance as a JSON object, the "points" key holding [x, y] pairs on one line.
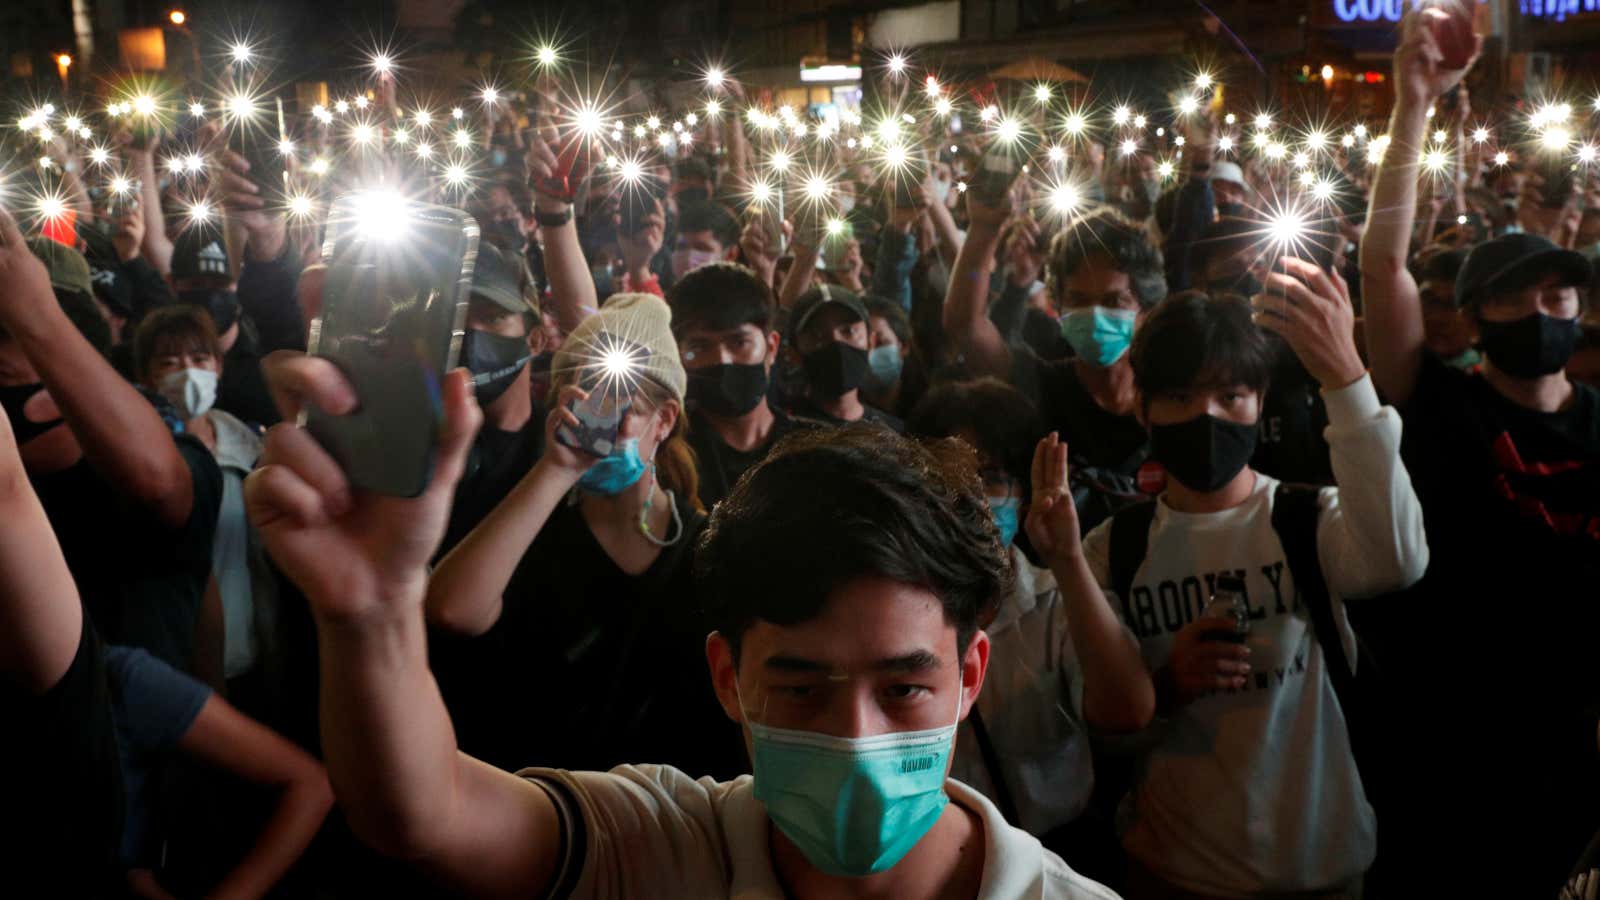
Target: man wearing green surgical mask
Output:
{"points": [[1103, 272], [845, 577]]}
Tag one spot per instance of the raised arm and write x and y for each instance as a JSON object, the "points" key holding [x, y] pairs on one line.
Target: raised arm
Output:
{"points": [[805, 247], [966, 313], [1371, 539], [1119, 694], [571, 284], [361, 560], [1391, 306], [466, 591], [40, 616], [120, 432], [157, 246], [232, 741]]}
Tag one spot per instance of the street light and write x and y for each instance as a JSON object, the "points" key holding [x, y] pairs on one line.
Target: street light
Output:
{"points": [[177, 16], [63, 63]]}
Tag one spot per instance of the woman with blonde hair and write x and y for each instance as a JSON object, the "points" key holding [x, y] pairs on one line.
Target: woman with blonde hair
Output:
{"points": [[578, 584]]}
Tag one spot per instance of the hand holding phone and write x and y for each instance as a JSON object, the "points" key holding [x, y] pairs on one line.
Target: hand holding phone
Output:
{"points": [[393, 306]]}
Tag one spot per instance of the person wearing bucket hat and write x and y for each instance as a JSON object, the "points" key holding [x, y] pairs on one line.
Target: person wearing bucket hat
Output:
{"points": [[1505, 462], [501, 337], [584, 557], [830, 328]]}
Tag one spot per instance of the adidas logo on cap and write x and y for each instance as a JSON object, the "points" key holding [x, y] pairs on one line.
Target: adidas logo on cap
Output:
{"points": [[212, 259]]}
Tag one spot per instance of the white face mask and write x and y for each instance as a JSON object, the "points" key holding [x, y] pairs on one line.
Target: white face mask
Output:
{"points": [[191, 391]]}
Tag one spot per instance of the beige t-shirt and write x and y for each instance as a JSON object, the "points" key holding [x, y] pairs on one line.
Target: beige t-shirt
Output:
{"points": [[652, 831]]}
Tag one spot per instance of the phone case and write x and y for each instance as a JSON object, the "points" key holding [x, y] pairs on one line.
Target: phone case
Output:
{"points": [[392, 318]]}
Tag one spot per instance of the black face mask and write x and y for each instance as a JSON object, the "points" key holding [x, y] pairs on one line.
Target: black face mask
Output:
{"points": [[14, 398], [836, 370], [1530, 346], [494, 361], [223, 305], [728, 390], [507, 235], [1203, 453], [1230, 209]]}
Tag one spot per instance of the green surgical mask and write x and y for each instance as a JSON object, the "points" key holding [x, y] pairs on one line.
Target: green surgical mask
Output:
{"points": [[854, 806]]}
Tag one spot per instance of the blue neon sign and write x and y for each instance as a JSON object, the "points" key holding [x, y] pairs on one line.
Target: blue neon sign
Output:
{"points": [[1558, 10], [1379, 10]]}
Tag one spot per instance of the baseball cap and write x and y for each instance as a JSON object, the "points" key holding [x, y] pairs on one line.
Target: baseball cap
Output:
{"points": [[813, 300], [1228, 171], [199, 252], [69, 271], [497, 278], [1512, 262]]}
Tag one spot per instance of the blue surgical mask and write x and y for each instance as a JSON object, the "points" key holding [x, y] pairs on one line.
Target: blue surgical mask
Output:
{"points": [[854, 806], [613, 474], [1100, 335], [1007, 517], [884, 365]]}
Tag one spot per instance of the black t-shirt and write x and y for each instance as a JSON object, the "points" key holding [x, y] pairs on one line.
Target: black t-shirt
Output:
{"points": [[1105, 450], [720, 465], [242, 389], [64, 794], [803, 408], [141, 580], [1511, 504], [1094, 435], [1291, 446], [589, 668], [499, 460]]}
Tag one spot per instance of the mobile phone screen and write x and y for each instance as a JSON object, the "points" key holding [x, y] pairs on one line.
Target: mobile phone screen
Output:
{"points": [[393, 307], [258, 142]]}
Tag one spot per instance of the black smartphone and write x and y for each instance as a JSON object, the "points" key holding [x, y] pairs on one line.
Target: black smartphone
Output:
{"points": [[393, 307], [638, 203], [1557, 177], [997, 170], [260, 144], [1315, 240], [908, 180]]}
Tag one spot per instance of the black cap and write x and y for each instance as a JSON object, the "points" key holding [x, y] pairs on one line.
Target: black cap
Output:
{"points": [[813, 300], [497, 278], [1514, 261], [200, 252]]}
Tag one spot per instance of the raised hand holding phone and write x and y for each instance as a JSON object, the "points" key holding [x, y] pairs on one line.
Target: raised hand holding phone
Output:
{"points": [[391, 316]]}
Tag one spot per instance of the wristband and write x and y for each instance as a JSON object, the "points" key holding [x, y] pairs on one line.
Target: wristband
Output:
{"points": [[552, 220]]}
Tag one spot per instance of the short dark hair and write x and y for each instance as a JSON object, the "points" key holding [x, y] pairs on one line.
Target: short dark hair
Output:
{"points": [[1192, 340], [894, 314], [182, 327], [719, 297], [709, 216], [828, 506], [1001, 417], [1108, 233]]}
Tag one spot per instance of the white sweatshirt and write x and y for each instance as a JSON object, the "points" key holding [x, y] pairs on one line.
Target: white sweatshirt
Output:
{"points": [[1039, 740], [1257, 790]]}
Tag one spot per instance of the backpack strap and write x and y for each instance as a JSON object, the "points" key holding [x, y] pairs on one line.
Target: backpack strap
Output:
{"points": [[1295, 512], [991, 761], [1130, 540]]}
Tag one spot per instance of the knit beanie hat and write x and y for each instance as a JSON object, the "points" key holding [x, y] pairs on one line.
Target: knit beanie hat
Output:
{"points": [[639, 324]]}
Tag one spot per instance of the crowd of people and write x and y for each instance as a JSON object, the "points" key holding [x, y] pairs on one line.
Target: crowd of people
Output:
{"points": [[1099, 536]]}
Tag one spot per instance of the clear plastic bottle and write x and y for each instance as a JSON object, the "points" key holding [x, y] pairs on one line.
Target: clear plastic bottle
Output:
{"points": [[1227, 602]]}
